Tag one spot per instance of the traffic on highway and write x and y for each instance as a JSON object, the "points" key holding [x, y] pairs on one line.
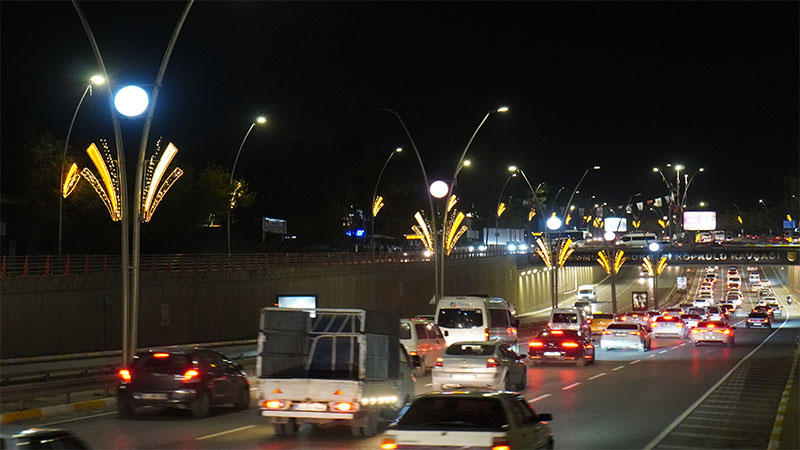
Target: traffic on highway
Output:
{"points": [[693, 374]]}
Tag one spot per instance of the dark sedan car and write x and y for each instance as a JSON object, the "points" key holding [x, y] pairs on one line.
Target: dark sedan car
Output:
{"points": [[193, 379], [766, 310], [561, 346], [758, 319]]}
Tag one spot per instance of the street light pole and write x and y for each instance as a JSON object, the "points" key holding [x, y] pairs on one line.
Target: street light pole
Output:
{"points": [[430, 203], [459, 166], [96, 79], [574, 191], [375, 193], [260, 120], [739, 217], [497, 210], [766, 210]]}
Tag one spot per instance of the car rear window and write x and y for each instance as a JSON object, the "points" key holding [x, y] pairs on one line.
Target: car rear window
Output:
{"points": [[622, 326], [713, 325], [690, 317], [405, 330], [168, 363], [422, 331], [602, 316], [454, 413], [499, 318], [667, 319], [757, 315], [470, 349], [565, 318], [460, 318], [713, 310]]}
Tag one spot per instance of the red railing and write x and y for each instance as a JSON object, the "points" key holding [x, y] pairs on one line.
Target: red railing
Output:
{"points": [[70, 265]]}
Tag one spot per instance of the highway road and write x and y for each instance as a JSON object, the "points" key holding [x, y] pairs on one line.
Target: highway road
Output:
{"points": [[673, 396]]}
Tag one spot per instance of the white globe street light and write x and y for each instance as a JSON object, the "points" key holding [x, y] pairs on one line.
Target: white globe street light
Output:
{"points": [[439, 189], [609, 236], [553, 223], [654, 246], [131, 101]]}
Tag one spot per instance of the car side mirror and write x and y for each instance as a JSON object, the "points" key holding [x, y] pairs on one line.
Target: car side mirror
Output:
{"points": [[544, 417], [446, 333]]}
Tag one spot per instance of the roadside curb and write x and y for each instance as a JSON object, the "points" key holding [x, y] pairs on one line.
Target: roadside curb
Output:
{"points": [[58, 410]]}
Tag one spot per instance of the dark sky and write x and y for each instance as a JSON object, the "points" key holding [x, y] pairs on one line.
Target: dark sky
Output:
{"points": [[627, 86]]}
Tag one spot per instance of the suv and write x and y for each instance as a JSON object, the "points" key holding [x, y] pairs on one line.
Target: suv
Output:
{"points": [[193, 379], [422, 338], [569, 319]]}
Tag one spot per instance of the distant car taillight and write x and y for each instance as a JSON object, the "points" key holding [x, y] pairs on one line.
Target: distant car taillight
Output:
{"points": [[536, 344], [274, 404], [607, 332], [635, 333], [189, 375], [344, 407], [569, 344], [438, 362], [501, 443], [491, 362], [125, 375], [388, 444]]}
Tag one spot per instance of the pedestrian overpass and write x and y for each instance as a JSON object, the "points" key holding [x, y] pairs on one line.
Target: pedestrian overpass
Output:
{"points": [[690, 256]]}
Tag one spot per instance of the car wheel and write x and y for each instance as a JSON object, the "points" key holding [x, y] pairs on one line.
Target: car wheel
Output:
{"points": [[580, 362], [244, 398], [748, 325], [201, 406], [125, 410], [290, 427]]}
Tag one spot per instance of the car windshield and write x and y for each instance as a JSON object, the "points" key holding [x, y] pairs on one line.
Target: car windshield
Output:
{"points": [[460, 318], [463, 349], [454, 413]]}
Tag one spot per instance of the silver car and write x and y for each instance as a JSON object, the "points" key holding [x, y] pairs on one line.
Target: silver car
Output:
{"points": [[625, 335], [691, 320], [480, 364], [669, 326]]}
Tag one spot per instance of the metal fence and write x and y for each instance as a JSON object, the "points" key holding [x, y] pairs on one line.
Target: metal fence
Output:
{"points": [[85, 265]]}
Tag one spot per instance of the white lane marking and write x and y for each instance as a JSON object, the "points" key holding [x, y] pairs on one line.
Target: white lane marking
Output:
{"points": [[223, 433], [652, 356], [682, 344], [703, 397], [534, 400], [636, 362], [677, 346], [76, 418], [429, 384], [566, 388], [708, 351], [598, 376], [663, 351], [617, 368]]}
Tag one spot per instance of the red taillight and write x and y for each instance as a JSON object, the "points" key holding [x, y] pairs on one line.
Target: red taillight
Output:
{"points": [[274, 404], [623, 318], [556, 332], [607, 332], [412, 353], [635, 333], [711, 325], [536, 344], [654, 324], [438, 362], [125, 374], [569, 344], [491, 363], [501, 443], [726, 331], [680, 325], [388, 444], [486, 333], [190, 374], [344, 407], [589, 321]]}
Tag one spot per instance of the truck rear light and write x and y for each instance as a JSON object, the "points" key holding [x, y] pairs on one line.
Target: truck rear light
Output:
{"points": [[635, 333], [491, 362], [607, 333], [486, 333], [344, 406], [190, 374], [569, 344], [438, 362], [501, 443], [412, 353], [536, 344], [125, 375], [160, 355], [389, 444], [275, 404], [556, 332]]}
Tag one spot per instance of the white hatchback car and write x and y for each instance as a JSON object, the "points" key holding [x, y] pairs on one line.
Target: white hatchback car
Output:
{"points": [[480, 364]]}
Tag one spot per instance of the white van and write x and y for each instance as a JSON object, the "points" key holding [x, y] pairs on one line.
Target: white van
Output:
{"points": [[587, 292], [569, 319], [473, 318], [423, 338], [638, 240]]}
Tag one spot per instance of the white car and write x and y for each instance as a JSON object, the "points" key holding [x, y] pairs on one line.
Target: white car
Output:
{"points": [[765, 283], [465, 419], [480, 364]]}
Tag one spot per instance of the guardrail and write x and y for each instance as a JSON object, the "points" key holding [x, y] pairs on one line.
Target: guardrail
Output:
{"points": [[25, 392], [84, 265]]}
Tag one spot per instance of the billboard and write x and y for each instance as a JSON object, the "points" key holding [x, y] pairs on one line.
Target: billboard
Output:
{"points": [[616, 224], [699, 220], [269, 225], [788, 224]]}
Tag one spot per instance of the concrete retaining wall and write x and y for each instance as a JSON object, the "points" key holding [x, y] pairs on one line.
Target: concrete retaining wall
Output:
{"points": [[57, 315]]}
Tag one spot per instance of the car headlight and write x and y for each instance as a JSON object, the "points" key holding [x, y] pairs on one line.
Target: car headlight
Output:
{"points": [[512, 247], [482, 248], [471, 248]]}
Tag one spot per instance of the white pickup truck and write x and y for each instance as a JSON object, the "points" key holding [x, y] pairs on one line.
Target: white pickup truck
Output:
{"points": [[332, 366]]}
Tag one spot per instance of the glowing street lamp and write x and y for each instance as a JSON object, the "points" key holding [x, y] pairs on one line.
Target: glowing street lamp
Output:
{"points": [[69, 182], [131, 101], [259, 120], [439, 189], [553, 223]]}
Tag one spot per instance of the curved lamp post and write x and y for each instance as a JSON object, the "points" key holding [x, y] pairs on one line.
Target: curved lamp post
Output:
{"points": [[430, 200], [461, 164], [98, 80], [375, 193], [577, 186], [259, 120], [497, 211]]}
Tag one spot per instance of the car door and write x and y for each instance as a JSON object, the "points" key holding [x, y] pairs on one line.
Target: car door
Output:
{"points": [[511, 360], [219, 377], [532, 433]]}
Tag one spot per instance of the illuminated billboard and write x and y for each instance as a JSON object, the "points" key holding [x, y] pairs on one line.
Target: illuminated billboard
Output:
{"points": [[616, 224], [699, 220]]}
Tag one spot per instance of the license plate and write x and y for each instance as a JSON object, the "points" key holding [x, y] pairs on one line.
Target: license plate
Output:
{"points": [[552, 353], [462, 376], [153, 396], [311, 407], [620, 334]]}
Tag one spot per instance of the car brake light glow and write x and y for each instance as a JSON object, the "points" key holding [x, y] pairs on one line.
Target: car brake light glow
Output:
{"points": [[726, 331], [501, 443], [274, 404], [344, 406], [388, 444], [536, 344], [412, 353], [679, 325], [569, 344], [607, 332], [635, 333], [125, 374], [486, 333], [556, 332], [491, 362], [160, 355], [623, 318], [190, 374], [438, 362], [711, 325]]}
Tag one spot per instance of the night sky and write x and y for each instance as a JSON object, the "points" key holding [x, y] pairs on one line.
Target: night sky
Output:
{"points": [[626, 86]]}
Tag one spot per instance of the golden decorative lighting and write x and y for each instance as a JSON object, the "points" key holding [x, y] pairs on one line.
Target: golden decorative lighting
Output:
{"points": [[423, 231], [451, 202], [71, 181], [108, 191], [605, 263], [565, 252], [454, 232], [377, 205], [543, 252], [531, 213], [501, 208]]}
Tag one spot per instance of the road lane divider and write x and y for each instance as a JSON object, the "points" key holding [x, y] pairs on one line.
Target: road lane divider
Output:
{"points": [[635, 362], [617, 368], [652, 356], [598, 376], [675, 347], [566, 388], [777, 427], [663, 351], [223, 433], [534, 400], [58, 410]]}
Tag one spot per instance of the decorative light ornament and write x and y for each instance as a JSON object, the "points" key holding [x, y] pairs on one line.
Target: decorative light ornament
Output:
{"points": [[439, 189], [553, 223], [131, 101]]}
